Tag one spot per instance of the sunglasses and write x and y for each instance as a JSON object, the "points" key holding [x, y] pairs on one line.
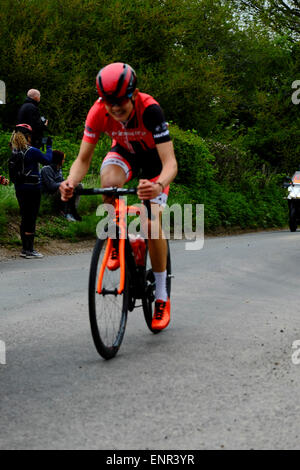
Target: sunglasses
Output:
{"points": [[111, 101]]}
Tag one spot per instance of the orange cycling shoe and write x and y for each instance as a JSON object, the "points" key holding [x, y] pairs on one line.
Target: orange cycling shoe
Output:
{"points": [[161, 317], [113, 262]]}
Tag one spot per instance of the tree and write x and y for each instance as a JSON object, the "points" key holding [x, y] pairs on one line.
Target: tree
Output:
{"points": [[280, 15]]}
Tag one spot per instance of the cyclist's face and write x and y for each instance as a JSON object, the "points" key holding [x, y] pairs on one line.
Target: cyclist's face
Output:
{"points": [[121, 111]]}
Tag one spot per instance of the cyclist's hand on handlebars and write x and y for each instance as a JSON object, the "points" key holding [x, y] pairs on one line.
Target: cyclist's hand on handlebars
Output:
{"points": [[148, 190], [66, 189]]}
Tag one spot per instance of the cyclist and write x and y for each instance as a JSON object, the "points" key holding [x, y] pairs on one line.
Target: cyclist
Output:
{"points": [[141, 145]]}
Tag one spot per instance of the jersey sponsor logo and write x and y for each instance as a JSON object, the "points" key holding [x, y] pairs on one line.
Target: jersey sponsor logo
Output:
{"points": [[87, 133], [161, 131], [161, 128], [128, 133], [162, 134]]}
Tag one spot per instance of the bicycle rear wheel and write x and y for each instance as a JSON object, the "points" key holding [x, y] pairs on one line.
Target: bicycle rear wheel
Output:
{"points": [[149, 298], [108, 312]]}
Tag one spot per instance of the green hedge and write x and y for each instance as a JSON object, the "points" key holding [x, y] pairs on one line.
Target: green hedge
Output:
{"points": [[71, 150], [195, 162], [235, 194], [4, 152]]}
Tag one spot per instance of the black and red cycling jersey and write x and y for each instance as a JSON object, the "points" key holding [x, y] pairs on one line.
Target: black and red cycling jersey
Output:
{"points": [[145, 128]]}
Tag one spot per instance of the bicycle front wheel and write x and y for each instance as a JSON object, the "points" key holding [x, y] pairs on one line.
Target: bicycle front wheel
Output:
{"points": [[108, 311]]}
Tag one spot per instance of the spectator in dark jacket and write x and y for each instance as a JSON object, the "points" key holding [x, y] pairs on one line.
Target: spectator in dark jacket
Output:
{"points": [[28, 191], [52, 178], [30, 113]]}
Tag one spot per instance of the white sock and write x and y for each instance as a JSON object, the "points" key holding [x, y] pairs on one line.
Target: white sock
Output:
{"points": [[161, 286]]}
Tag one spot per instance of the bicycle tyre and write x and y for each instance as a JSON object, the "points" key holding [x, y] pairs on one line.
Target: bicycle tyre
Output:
{"points": [[100, 325], [149, 298]]}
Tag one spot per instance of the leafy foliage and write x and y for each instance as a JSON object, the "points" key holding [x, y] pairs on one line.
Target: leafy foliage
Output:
{"points": [[221, 68], [278, 14]]}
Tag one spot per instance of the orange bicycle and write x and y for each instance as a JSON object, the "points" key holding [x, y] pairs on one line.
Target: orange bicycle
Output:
{"points": [[114, 292]]}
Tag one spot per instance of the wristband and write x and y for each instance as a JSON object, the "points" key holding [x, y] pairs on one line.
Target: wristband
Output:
{"points": [[162, 186]]}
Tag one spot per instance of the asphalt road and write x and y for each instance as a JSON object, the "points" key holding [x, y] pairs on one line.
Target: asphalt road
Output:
{"points": [[220, 377]]}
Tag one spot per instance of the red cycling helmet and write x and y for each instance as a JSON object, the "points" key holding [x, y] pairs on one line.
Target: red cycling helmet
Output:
{"points": [[117, 80], [24, 128]]}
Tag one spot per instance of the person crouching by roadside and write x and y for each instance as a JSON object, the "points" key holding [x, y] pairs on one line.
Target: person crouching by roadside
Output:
{"points": [[28, 184], [4, 181], [52, 178]]}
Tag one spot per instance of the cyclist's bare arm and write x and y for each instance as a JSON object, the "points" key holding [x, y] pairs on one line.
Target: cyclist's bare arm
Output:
{"points": [[148, 190], [78, 170], [168, 159]]}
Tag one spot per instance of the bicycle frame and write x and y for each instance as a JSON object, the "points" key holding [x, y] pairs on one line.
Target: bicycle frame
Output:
{"points": [[121, 211]]}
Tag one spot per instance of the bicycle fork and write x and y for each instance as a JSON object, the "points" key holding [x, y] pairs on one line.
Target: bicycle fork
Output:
{"points": [[120, 209]]}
